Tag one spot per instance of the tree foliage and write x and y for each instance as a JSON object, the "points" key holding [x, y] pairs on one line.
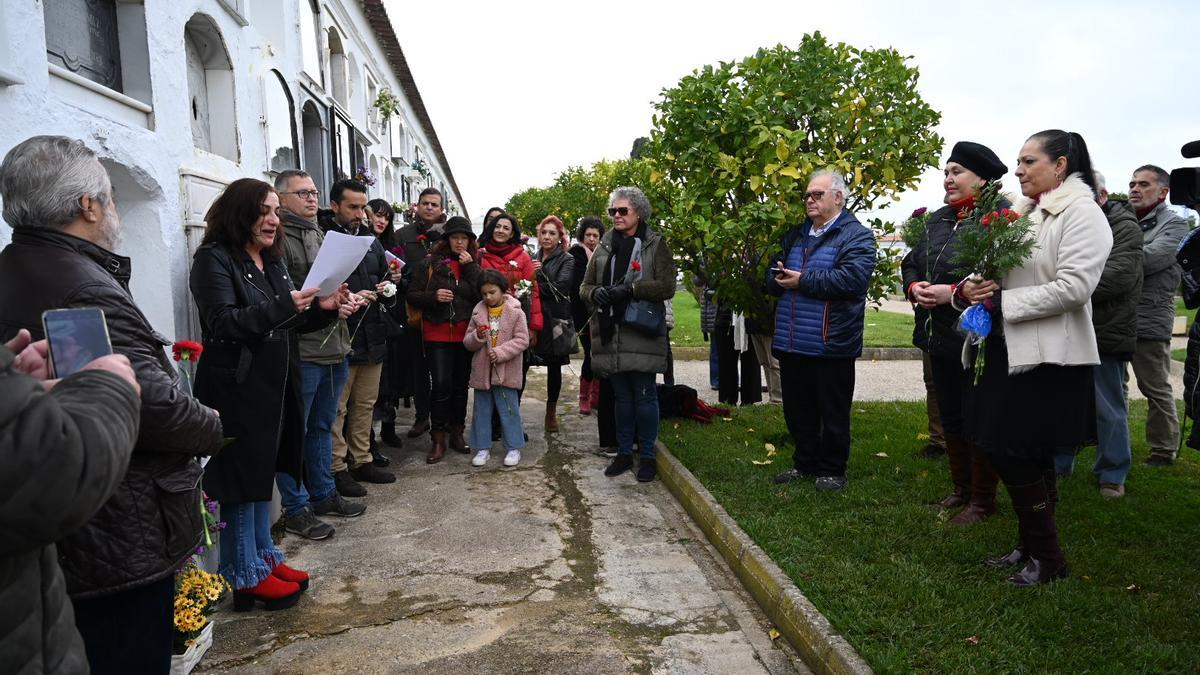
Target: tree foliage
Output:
{"points": [[578, 192], [734, 145]]}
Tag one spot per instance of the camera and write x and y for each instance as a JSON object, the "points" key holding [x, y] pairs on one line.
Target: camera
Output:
{"points": [[1185, 182]]}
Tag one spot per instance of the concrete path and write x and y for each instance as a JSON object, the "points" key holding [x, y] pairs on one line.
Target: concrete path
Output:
{"points": [[547, 567]]}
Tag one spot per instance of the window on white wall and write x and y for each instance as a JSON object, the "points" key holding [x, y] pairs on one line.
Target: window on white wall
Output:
{"points": [[338, 68], [280, 121], [101, 42], [210, 88], [372, 91], [310, 42]]}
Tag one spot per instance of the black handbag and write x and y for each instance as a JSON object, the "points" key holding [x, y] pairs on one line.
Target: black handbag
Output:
{"points": [[646, 316], [563, 338]]}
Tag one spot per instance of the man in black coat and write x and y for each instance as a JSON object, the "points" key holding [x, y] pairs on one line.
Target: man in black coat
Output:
{"points": [[368, 348], [120, 566], [417, 238], [64, 446]]}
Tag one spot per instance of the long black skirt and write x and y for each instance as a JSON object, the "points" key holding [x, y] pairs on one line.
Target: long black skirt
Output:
{"points": [[1033, 414]]}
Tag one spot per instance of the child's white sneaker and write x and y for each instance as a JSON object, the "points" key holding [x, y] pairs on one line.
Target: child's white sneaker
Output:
{"points": [[512, 458], [480, 458]]}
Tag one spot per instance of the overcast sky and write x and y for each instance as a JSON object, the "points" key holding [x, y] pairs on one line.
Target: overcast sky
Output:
{"points": [[521, 90]]}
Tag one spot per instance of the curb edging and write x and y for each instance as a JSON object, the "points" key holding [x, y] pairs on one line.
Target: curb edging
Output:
{"points": [[801, 624]]}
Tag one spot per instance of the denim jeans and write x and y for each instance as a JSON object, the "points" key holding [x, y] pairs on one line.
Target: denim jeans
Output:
{"points": [[247, 553], [635, 400], [714, 361], [503, 400], [1113, 452], [322, 386]]}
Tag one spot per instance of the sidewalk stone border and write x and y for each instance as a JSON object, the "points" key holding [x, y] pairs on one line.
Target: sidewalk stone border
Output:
{"points": [[806, 629]]}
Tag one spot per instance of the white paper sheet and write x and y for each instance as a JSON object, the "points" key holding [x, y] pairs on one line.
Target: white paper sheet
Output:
{"points": [[339, 255]]}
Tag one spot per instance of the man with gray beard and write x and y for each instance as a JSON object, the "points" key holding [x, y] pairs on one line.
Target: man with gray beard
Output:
{"points": [[120, 566]]}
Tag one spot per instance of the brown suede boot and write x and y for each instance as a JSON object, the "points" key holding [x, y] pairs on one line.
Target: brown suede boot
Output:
{"points": [[456, 442], [983, 490], [960, 472], [551, 422], [439, 447]]}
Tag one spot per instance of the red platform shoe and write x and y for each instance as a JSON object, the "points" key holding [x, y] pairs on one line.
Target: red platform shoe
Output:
{"points": [[274, 593], [298, 577]]}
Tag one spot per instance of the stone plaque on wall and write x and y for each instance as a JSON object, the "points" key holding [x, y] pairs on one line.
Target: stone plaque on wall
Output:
{"points": [[81, 36]]}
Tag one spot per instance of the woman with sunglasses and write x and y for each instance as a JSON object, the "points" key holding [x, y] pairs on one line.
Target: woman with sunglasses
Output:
{"points": [[632, 268]]}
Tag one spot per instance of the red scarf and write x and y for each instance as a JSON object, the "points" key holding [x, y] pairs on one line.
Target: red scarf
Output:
{"points": [[963, 207], [501, 250]]}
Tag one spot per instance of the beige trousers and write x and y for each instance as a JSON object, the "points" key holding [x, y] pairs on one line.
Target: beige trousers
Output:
{"points": [[357, 402]]}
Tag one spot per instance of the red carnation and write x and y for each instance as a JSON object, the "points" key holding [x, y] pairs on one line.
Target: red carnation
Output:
{"points": [[637, 266], [421, 237], [986, 219], [919, 212], [186, 350]]}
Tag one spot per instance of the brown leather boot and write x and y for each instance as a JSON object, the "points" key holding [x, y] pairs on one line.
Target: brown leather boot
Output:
{"points": [[439, 447], [1039, 531], [960, 472], [983, 490], [456, 441], [551, 417]]}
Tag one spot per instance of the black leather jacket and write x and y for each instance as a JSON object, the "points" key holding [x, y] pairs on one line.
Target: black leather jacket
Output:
{"points": [[152, 522]]}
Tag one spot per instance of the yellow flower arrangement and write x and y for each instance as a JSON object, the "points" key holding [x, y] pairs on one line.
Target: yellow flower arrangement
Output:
{"points": [[197, 593]]}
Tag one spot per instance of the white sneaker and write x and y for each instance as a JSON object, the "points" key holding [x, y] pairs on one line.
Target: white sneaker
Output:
{"points": [[512, 458], [480, 458]]}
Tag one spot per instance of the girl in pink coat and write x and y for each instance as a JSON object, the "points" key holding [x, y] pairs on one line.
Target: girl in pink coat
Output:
{"points": [[497, 335]]}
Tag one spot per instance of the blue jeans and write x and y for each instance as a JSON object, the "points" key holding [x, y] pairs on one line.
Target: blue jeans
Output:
{"points": [[504, 401], [322, 386], [1113, 452], [247, 554], [635, 401]]}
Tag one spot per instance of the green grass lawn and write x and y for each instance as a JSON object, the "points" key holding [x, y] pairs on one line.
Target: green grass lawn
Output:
{"points": [[887, 329], [907, 590], [687, 321]]}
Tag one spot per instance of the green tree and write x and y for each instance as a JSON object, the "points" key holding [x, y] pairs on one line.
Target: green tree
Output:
{"points": [[578, 192], [734, 145]]}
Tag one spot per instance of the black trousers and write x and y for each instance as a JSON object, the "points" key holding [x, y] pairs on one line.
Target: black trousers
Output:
{"points": [[450, 371], [950, 383], [749, 384], [606, 416], [131, 631], [418, 372], [817, 394]]}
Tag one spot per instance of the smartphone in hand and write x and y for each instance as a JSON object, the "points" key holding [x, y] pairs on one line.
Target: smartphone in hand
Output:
{"points": [[76, 337]]}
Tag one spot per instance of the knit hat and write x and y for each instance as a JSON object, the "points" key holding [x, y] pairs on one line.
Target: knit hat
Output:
{"points": [[457, 225], [979, 159]]}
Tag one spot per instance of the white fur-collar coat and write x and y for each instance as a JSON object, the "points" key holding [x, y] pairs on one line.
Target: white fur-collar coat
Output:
{"points": [[1046, 302]]}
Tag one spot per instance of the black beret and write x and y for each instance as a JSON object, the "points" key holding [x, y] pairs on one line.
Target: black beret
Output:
{"points": [[979, 159]]}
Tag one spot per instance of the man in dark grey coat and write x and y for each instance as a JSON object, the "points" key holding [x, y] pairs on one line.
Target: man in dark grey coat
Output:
{"points": [[1162, 230], [64, 447], [1114, 315]]}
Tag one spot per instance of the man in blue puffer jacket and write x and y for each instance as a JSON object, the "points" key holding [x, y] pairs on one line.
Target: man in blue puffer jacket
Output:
{"points": [[821, 276]]}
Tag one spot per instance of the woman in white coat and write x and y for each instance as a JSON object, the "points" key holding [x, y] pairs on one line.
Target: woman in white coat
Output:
{"points": [[1035, 392]]}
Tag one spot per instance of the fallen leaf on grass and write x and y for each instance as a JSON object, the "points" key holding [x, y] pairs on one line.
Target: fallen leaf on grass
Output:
{"points": [[922, 437], [973, 640], [760, 462], [727, 419], [881, 454], [770, 449], [1133, 588], [773, 634], [677, 425]]}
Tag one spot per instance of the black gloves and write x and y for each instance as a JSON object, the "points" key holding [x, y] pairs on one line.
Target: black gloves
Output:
{"points": [[619, 294], [600, 297]]}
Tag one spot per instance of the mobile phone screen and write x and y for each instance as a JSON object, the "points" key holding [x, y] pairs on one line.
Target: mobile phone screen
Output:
{"points": [[76, 337]]}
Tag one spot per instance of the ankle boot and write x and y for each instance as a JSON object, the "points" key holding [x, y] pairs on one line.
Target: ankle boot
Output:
{"points": [[439, 447], [274, 593], [389, 435], [455, 440], [1039, 531], [551, 422], [298, 577], [983, 490], [960, 472], [585, 396]]}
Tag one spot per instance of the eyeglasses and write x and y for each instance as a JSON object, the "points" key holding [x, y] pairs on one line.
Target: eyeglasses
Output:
{"points": [[305, 194], [815, 195], [619, 211]]}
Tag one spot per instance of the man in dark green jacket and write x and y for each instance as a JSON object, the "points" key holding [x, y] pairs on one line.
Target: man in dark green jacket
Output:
{"points": [[64, 447], [1115, 317]]}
